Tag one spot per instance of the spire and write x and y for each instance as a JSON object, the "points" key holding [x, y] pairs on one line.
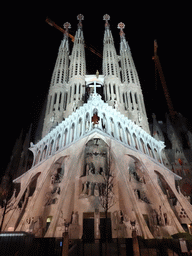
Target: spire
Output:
{"points": [[106, 17], [108, 38], [79, 33], [129, 72], [123, 45], [77, 66], [65, 43], [132, 94], [77, 71], [60, 73], [57, 91], [110, 58]]}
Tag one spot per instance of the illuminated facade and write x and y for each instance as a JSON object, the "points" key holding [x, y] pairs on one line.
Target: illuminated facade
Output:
{"points": [[96, 142]]}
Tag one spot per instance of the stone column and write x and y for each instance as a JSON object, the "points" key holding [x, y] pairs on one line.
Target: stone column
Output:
{"points": [[97, 224]]}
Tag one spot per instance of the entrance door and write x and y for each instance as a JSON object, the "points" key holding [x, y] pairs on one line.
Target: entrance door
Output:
{"points": [[105, 232], [88, 227], [88, 230]]}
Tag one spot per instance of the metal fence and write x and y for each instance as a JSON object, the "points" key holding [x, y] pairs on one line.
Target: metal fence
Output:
{"points": [[165, 247], [21, 244]]}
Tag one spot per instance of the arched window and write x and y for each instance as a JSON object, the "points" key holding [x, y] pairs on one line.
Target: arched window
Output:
{"points": [[120, 130], [136, 101], [87, 122], [57, 143], [150, 151], [124, 101], [79, 90], [143, 146], [157, 155], [80, 127], [65, 101], [104, 122], [75, 89], [65, 138], [51, 147], [135, 141], [44, 153], [110, 91], [37, 157], [72, 132], [128, 136], [112, 127], [114, 89], [131, 100]]}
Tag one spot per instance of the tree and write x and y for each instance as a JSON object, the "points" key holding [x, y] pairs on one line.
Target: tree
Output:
{"points": [[107, 198]]}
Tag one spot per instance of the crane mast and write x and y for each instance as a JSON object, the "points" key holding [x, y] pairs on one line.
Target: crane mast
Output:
{"points": [[163, 82]]}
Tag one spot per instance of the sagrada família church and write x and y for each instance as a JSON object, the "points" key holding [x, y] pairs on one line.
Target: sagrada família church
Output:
{"points": [[97, 156]]}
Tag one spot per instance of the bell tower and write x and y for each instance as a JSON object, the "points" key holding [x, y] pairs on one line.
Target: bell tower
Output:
{"points": [[77, 69], [58, 91], [111, 69], [132, 95]]}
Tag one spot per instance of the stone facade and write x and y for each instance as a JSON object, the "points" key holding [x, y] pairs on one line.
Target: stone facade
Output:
{"points": [[96, 158]]}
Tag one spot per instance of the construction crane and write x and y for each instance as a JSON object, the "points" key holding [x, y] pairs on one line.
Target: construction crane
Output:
{"points": [[53, 24], [163, 82]]}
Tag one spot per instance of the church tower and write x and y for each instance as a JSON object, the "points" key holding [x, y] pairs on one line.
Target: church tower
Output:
{"points": [[77, 71], [132, 94], [58, 91], [96, 160], [111, 70]]}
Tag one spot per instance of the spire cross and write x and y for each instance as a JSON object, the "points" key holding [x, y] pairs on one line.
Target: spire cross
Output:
{"points": [[106, 17], [121, 26], [66, 25], [80, 17]]}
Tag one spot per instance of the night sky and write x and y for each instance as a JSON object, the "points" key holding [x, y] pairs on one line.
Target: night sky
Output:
{"points": [[30, 48]]}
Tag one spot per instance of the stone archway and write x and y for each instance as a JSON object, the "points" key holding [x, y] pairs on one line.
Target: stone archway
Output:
{"points": [[28, 193], [166, 188]]}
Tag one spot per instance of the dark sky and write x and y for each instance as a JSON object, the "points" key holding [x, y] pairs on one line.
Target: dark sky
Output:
{"points": [[30, 49]]}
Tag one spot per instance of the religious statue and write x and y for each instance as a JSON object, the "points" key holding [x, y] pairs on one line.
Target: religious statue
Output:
{"points": [[95, 119], [97, 74], [75, 217], [96, 189]]}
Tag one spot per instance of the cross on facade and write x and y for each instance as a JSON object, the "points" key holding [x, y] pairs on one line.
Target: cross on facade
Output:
{"points": [[106, 17], [121, 26], [95, 85], [66, 25], [80, 17]]}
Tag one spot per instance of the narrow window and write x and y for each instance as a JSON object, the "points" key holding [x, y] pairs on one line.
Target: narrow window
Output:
{"points": [[55, 98], [65, 137], [49, 104], [119, 94], [128, 137], [70, 95], [114, 89], [51, 147], [135, 140], [143, 146], [150, 151]]}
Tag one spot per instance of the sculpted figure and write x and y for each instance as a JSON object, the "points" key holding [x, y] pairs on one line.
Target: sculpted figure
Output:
{"points": [[96, 190], [75, 217]]}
